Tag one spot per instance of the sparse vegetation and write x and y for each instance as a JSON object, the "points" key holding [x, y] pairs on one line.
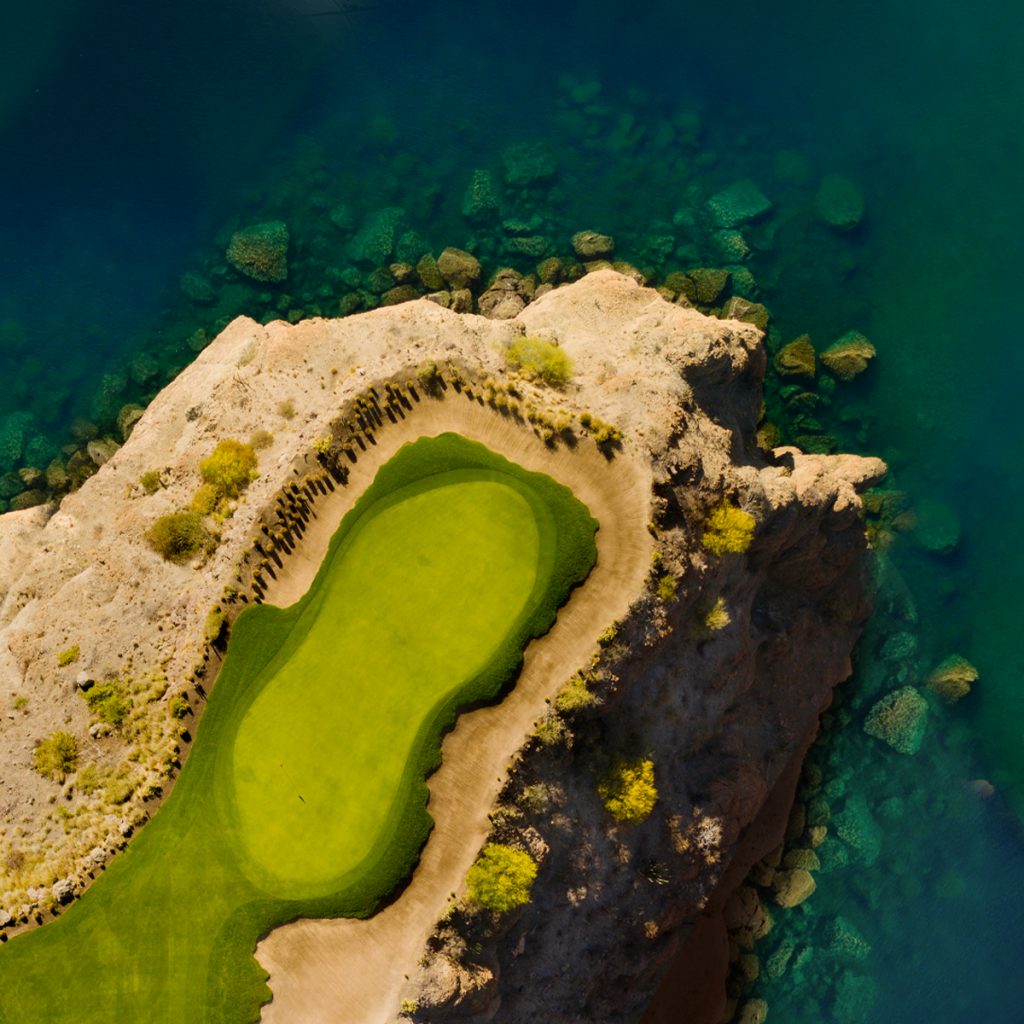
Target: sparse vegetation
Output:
{"points": [[231, 467], [56, 756], [109, 702], [151, 482], [717, 617], [68, 656], [628, 791], [322, 446], [286, 409], [550, 730], [216, 622], [179, 706], [179, 536], [668, 587], [539, 359], [261, 440], [20, 702], [574, 695], [501, 878], [728, 529]]}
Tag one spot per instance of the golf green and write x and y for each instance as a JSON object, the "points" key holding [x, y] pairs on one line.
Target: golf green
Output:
{"points": [[305, 792]]}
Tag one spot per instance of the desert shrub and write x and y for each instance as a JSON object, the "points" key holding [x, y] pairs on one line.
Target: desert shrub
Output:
{"points": [[261, 439], [728, 529], [428, 374], [56, 756], [574, 695], [179, 706], [151, 482], [120, 786], [109, 702], [286, 409], [179, 536], [20, 702], [501, 878], [206, 500], [322, 446], [668, 587], [549, 731], [88, 779], [604, 433], [539, 359], [717, 617], [231, 467], [628, 792], [215, 623], [68, 656]]}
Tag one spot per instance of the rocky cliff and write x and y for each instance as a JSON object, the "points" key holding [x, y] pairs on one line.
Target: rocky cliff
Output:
{"points": [[725, 652]]}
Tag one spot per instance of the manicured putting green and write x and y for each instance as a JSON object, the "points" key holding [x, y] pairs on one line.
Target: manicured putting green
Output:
{"points": [[304, 794]]}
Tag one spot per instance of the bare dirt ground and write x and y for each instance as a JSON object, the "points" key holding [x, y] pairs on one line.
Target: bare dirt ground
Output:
{"points": [[351, 971]]}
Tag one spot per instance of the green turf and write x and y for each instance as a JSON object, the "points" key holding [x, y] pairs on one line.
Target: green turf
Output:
{"points": [[304, 793]]}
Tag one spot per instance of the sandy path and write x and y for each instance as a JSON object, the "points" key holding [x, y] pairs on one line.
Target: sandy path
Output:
{"points": [[351, 971]]}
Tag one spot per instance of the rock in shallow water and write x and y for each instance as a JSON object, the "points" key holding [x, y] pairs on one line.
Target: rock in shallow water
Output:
{"points": [[899, 719], [260, 251]]}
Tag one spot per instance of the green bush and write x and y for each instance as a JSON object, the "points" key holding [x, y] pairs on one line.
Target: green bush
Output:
{"points": [[728, 529], [574, 695], [215, 623], [539, 359], [151, 482], [56, 756], [231, 467], [668, 587], [501, 878], [179, 706], [628, 792], [109, 702], [179, 536], [68, 656]]}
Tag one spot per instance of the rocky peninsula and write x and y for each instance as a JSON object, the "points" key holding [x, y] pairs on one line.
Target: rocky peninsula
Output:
{"points": [[729, 591]]}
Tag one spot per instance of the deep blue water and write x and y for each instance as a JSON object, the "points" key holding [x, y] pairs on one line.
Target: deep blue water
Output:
{"points": [[133, 134]]}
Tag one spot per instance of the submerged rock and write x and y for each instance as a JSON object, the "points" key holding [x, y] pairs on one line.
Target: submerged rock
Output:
{"points": [[839, 202], [845, 941], [952, 678], [856, 827], [260, 251], [937, 527], [480, 202], [899, 719], [797, 359], [589, 245], [430, 273], [747, 312], [708, 284], [459, 268], [374, 242], [528, 163], [737, 204], [849, 356]]}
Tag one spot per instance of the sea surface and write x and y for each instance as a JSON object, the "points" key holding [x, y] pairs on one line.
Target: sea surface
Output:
{"points": [[135, 137]]}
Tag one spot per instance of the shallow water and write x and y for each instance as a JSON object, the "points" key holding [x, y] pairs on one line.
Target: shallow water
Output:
{"points": [[135, 134]]}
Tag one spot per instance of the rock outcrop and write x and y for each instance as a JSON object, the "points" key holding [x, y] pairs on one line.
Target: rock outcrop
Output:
{"points": [[717, 673]]}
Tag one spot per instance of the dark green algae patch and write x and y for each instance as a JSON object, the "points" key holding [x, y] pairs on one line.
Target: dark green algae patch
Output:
{"points": [[168, 932]]}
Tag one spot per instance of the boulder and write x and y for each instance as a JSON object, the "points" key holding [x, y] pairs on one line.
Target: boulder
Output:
{"points": [[738, 204], [843, 940], [128, 416], [708, 284], [589, 245], [952, 678], [755, 1011], [796, 359], [899, 719], [374, 242], [260, 251], [459, 268], [429, 273], [28, 499], [746, 312], [791, 887], [101, 450], [849, 356], [858, 830], [481, 203]]}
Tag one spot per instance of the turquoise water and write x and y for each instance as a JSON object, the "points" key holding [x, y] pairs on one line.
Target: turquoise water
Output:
{"points": [[136, 136]]}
